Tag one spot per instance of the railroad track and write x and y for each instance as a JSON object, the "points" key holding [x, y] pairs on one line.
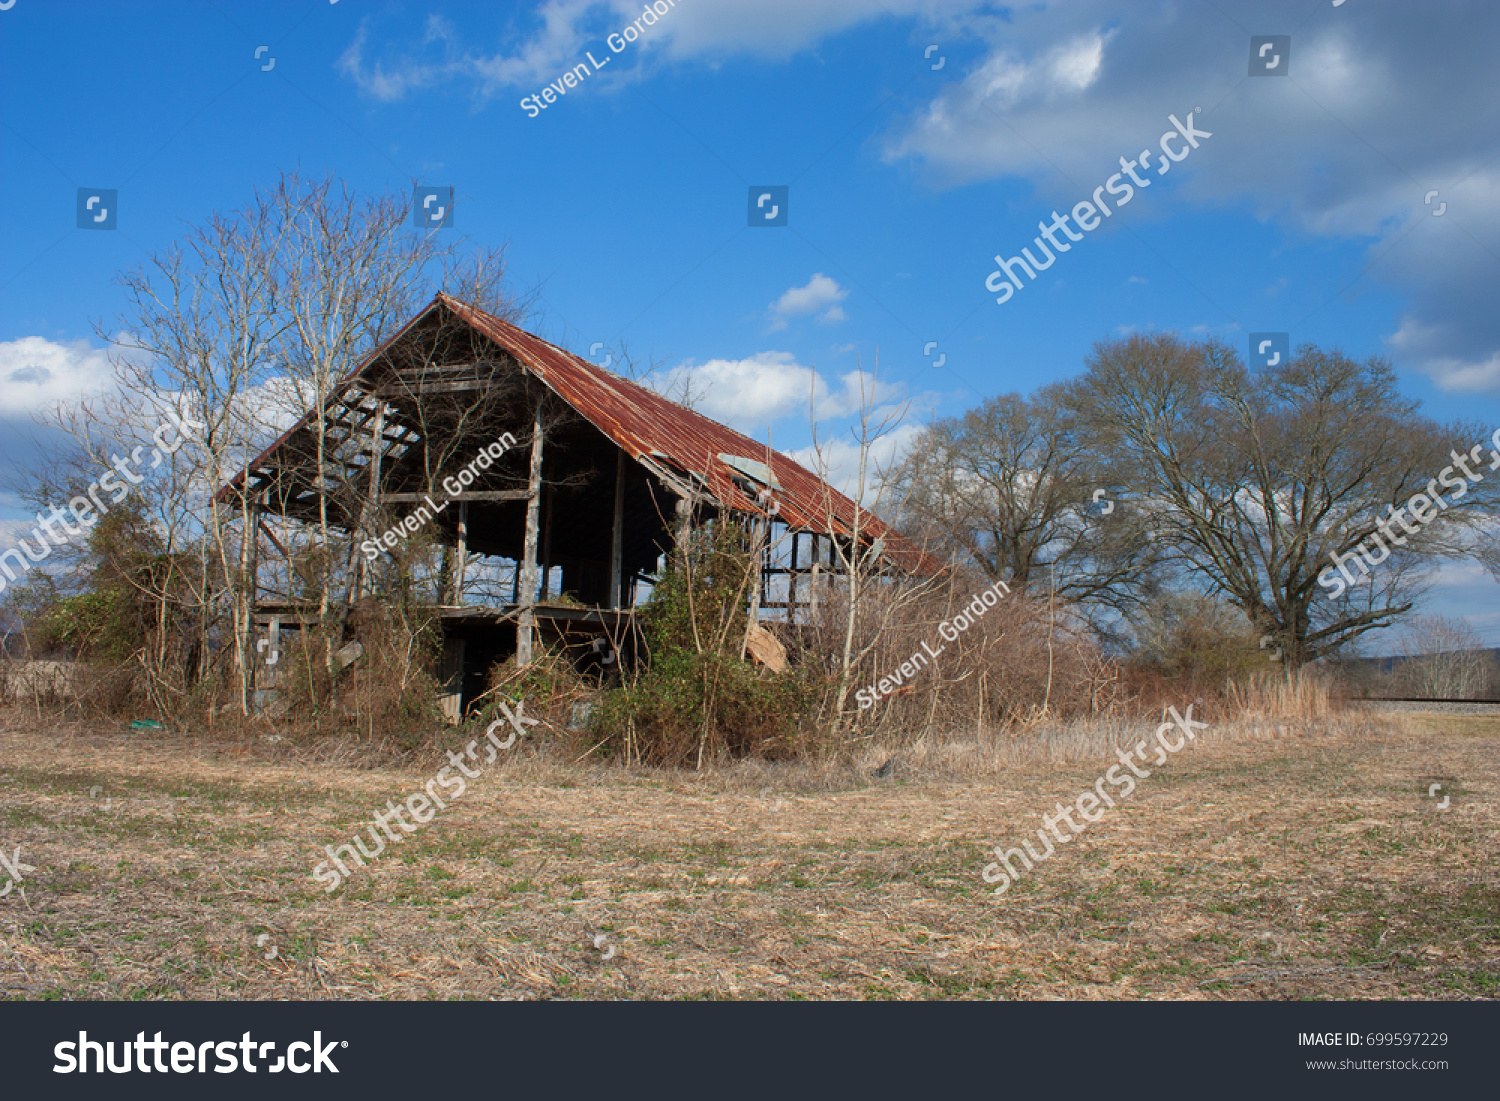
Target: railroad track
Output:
{"points": [[1426, 703]]}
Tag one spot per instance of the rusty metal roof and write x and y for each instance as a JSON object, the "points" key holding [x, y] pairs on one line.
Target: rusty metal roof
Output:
{"points": [[675, 443]]}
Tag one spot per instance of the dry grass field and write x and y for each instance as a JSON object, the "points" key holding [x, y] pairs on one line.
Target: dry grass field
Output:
{"points": [[1299, 865]]}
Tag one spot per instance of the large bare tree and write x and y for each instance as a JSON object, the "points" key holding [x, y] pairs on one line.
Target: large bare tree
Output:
{"points": [[1011, 487], [1255, 480]]}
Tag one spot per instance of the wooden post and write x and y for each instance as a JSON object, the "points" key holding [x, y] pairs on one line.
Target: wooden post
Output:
{"points": [[372, 509], [526, 630], [273, 676], [462, 563], [760, 550], [812, 585], [791, 582], [250, 562], [617, 534], [252, 566], [451, 677]]}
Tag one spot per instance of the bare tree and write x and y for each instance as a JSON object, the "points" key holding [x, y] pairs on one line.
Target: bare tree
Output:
{"points": [[1255, 480], [873, 595], [1445, 659], [187, 349], [350, 271], [253, 317], [1012, 487]]}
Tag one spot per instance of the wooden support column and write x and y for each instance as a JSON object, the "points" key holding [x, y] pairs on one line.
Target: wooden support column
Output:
{"points": [[812, 585], [451, 679], [252, 555], [372, 506], [273, 676], [760, 550], [250, 565], [526, 630], [460, 567], [617, 535], [791, 581]]}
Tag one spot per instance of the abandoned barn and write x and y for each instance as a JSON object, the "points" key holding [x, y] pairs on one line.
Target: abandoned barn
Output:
{"points": [[552, 485]]}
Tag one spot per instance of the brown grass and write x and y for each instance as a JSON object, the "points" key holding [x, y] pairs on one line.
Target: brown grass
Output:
{"points": [[1262, 862]]}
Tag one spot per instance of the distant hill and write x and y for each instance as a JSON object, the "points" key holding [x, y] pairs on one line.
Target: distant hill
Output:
{"points": [[1392, 662]]}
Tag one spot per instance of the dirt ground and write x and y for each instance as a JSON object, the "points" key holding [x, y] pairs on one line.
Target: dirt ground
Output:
{"points": [[1303, 866]]}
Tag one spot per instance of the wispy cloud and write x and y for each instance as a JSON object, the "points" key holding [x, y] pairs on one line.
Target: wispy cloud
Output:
{"points": [[819, 293]]}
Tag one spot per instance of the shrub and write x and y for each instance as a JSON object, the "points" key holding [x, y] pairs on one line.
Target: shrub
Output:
{"points": [[1194, 638], [1020, 660], [388, 693], [696, 698]]}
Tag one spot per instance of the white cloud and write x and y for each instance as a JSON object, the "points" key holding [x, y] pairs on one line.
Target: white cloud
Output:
{"points": [[559, 35], [1007, 79], [753, 393], [1425, 343], [818, 293], [36, 373]]}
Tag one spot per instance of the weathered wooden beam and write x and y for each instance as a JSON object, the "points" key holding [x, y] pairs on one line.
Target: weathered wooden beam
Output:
{"points": [[461, 566], [526, 629], [372, 491], [417, 389], [617, 533], [275, 542], [422, 370], [791, 592], [250, 561], [489, 495], [812, 587]]}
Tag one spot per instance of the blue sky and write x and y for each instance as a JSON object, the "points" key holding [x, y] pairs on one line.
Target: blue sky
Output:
{"points": [[625, 201]]}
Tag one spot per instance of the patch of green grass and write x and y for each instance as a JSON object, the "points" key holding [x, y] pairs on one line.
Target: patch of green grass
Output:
{"points": [[24, 816]]}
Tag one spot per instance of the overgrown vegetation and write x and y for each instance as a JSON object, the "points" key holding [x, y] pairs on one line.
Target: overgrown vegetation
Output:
{"points": [[696, 698]]}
